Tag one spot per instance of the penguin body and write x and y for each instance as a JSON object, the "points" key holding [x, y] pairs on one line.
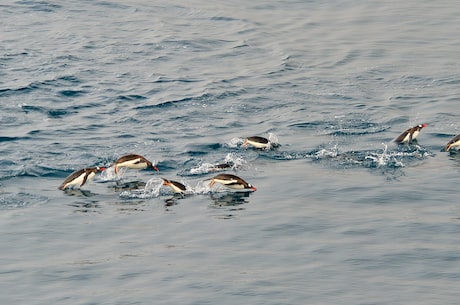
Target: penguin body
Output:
{"points": [[78, 178], [232, 181], [455, 142], [409, 135], [177, 187], [133, 161], [257, 142]]}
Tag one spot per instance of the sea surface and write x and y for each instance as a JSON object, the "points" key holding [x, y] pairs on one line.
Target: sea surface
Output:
{"points": [[341, 214]]}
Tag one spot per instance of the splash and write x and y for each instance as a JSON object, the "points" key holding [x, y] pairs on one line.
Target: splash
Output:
{"points": [[151, 190], [327, 153], [273, 141], [202, 187], [235, 142], [154, 188], [232, 161], [109, 174], [203, 168], [273, 138], [235, 159], [382, 159]]}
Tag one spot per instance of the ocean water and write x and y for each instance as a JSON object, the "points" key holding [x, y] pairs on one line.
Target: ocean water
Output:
{"points": [[341, 214]]}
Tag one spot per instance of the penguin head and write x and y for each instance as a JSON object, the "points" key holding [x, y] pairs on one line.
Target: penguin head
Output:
{"points": [[422, 126], [151, 165]]}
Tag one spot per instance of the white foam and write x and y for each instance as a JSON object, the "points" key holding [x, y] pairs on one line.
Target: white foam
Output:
{"points": [[235, 142]]}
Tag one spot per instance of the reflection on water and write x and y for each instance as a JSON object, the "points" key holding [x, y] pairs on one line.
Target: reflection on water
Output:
{"points": [[79, 193], [454, 155], [226, 205], [130, 185], [86, 207], [174, 199], [230, 199]]}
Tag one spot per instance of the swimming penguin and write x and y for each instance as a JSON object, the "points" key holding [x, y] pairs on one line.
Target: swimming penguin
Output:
{"points": [[177, 187], [455, 142], [133, 161], [257, 142], [220, 167], [79, 178], [409, 135], [232, 181]]}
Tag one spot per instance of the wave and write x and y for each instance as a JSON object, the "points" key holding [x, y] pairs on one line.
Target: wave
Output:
{"points": [[40, 6], [354, 126], [20, 200], [46, 85]]}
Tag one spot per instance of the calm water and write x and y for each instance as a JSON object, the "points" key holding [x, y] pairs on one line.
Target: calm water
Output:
{"points": [[341, 215]]}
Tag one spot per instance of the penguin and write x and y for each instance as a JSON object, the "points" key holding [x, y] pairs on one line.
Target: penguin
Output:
{"points": [[257, 142], [177, 187], [232, 181], [133, 161], [409, 135], [455, 142], [220, 167], [79, 178]]}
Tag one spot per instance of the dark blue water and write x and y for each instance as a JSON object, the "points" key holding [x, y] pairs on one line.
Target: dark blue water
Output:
{"points": [[341, 214]]}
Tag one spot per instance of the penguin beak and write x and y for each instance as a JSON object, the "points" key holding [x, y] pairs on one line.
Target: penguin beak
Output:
{"points": [[101, 169], [155, 168], [253, 188], [424, 125]]}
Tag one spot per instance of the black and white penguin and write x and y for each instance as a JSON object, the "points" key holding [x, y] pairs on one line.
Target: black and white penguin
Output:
{"points": [[133, 161], [220, 167], [79, 178], [232, 181], [455, 142], [409, 135], [177, 187], [257, 142]]}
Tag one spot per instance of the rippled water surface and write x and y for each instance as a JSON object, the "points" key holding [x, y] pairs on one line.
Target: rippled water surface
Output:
{"points": [[341, 214]]}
